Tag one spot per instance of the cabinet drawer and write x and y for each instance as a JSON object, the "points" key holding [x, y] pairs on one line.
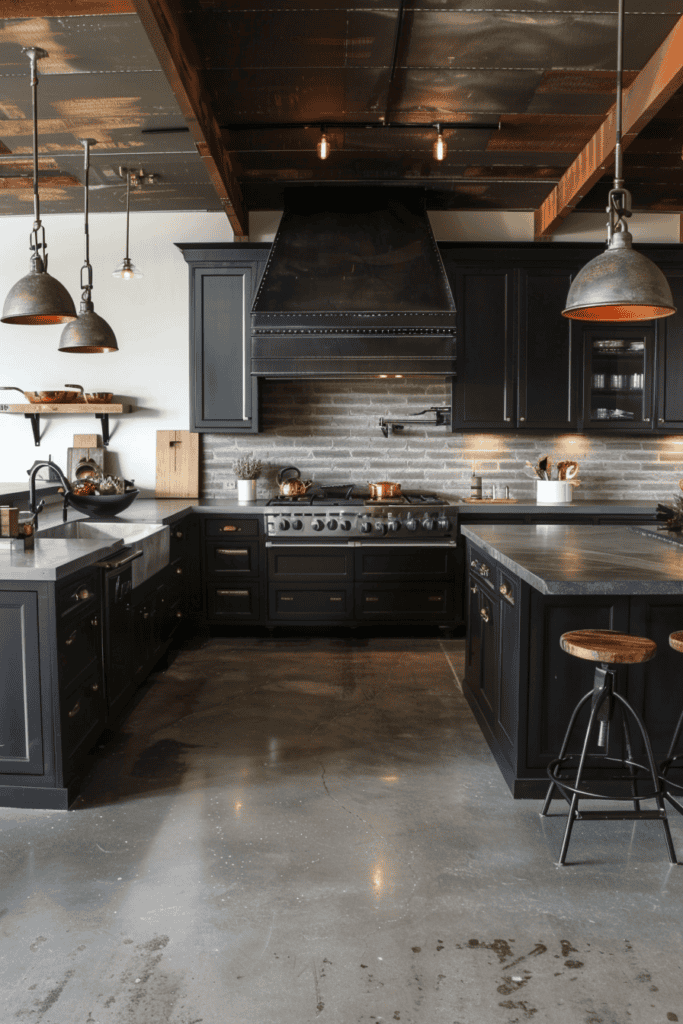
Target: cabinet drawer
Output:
{"points": [[409, 601], [312, 561], [315, 603], [78, 595], [82, 717], [224, 557], [421, 563], [239, 601], [231, 527], [78, 645]]}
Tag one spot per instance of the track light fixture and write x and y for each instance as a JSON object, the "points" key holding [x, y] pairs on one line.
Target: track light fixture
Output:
{"points": [[37, 298], [620, 283], [439, 149], [323, 145]]}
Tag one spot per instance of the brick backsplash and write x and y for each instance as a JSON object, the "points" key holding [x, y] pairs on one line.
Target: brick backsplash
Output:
{"points": [[330, 430]]}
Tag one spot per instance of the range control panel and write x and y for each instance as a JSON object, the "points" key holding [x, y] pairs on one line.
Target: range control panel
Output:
{"points": [[340, 524]]}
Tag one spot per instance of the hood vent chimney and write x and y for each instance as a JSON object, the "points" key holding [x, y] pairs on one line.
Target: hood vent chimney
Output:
{"points": [[354, 286]]}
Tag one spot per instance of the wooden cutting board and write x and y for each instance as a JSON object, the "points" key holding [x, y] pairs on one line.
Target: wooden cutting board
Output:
{"points": [[75, 454], [177, 464]]}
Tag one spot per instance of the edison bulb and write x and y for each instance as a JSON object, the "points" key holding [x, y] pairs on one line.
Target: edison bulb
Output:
{"points": [[439, 148], [323, 147]]}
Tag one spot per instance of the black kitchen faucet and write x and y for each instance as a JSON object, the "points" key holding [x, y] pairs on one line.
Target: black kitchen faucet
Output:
{"points": [[34, 506]]}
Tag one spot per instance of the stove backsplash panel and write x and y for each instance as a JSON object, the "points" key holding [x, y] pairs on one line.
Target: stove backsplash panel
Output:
{"points": [[329, 429]]}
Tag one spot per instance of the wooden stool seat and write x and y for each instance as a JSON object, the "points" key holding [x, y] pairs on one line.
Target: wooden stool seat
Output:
{"points": [[676, 641], [610, 646]]}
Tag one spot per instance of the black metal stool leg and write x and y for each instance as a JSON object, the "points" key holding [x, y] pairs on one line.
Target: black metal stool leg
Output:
{"points": [[629, 761], [666, 765], [563, 749]]}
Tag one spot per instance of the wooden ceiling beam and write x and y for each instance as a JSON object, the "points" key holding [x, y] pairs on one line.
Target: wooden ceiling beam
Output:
{"points": [[63, 8], [656, 83], [165, 26]]}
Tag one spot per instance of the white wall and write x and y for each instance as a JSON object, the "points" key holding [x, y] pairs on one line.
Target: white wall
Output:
{"points": [[510, 226], [149, 317]]}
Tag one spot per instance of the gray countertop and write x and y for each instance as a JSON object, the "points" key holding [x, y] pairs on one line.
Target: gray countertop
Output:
{"points": [[576, 559]]}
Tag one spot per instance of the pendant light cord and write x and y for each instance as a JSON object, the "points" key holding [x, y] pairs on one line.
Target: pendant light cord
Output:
{"points": [[127, 211], [619, 203], [87, 268], [618, 155], [37, 241]]}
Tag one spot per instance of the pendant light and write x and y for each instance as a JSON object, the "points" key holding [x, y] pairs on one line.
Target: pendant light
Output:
{"points": [[620, 284], [127, 270], [89, 332], [37, 298], [439, 149], [323, 146]]}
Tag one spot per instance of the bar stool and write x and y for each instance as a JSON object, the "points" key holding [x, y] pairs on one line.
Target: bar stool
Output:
{"points": [[609, 648], [675, 641]]}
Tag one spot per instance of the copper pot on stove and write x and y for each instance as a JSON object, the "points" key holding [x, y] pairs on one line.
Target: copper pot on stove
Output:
{"points": [[290, 483], [383, 490]]}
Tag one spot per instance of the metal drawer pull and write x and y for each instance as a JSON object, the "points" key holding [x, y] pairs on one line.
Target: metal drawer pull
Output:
{"points": [[507, 592], [95, 687], [473, 589], [179, 570], [122, 561], [179, 534], [233, 593], [94, 622], [335, 599], [474, 563], [75, 709], [232, 551], [484, 569], [484, 614], [286, 598], [435, 598], [82, 595], [178, 615], [145, 615], [68, 643], [368, 598], [231, 529]]}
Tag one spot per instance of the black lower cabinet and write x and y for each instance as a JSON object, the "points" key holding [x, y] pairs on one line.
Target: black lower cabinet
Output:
{"points": [[522, 687]]}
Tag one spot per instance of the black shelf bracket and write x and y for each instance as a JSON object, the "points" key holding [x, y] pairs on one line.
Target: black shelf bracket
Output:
{"points": [[442, 418], [103, 417], [34, 417]]}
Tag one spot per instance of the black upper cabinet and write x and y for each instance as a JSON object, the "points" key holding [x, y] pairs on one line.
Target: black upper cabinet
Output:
{"points": [[669, 414], [517, 358], [223, 283]]}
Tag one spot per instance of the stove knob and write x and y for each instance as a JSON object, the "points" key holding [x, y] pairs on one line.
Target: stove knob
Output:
{"points": [[366, 527], [427, 523], [381, 529], [283, 524], [393, 525], [442, 523], [411, 524], [332, 524], [345, 524], [318, 525], [297, 525]]}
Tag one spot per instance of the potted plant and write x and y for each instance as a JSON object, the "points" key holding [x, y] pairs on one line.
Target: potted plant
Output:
{"points": [[247, 470]]}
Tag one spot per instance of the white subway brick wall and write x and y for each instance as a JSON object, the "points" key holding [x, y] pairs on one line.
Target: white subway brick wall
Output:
{"points": [[330, 431]]}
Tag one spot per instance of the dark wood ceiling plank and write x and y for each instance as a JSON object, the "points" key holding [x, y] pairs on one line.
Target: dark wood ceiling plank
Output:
{"points": [[175, 50], [63, 8], [651, 89]]}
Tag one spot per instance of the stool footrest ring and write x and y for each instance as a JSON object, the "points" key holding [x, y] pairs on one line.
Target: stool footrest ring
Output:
{"points": [[565, 764]]}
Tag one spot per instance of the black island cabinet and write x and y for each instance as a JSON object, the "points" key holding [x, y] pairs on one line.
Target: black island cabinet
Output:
{"points": [[527, 585]]}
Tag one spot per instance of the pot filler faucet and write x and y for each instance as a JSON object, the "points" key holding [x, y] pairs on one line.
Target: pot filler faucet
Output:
{"points": [[36, 506]]}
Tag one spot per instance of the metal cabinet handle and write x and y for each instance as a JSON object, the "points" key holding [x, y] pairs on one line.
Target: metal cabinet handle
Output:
{"points": [[368, 598], [474, 563], [335, 599], [484, 569], [522, 418], [435, 598], [473, 589], [94, 622], [145, 615], [95, 687], [68, 643], [178, 615], [232, 551], [179, 534], [484, 614], [179, 570], [75, 709], [82, 595], [507, 592], [233, 593], [231, 529], [286, 598]]}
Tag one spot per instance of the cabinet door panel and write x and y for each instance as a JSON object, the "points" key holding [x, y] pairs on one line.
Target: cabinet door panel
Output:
{"points": [[670, 357], [547, 368], [311, 604], [408, 601], [483, 394], [21, 742], [490, 667], [419, 562], [237, 601], [232, 558], [308, 562]]}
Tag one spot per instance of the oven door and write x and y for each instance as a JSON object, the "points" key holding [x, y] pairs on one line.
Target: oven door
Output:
{"points": [[310, 582]]}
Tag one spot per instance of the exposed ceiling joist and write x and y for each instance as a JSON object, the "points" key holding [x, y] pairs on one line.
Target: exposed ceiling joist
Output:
{"points": [[63, 8], [650, 90], [175, 51]]}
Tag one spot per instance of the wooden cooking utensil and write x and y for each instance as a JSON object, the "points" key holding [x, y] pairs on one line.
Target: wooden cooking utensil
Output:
{"points": [[545, 465]]}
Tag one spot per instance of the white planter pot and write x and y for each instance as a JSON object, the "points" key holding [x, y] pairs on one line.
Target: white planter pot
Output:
{"points": [[246, 490], [553, 492]]}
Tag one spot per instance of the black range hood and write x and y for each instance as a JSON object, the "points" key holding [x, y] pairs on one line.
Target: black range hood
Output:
{"points": [[354, 286]]}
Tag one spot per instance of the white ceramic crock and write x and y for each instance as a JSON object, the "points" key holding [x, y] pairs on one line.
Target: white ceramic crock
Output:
{"points": [[553, 492]]}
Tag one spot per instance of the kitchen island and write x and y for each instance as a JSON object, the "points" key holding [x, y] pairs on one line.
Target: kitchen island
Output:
{"points": [[527, 585]]}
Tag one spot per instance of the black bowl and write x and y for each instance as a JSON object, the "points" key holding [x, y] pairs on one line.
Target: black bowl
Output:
{"points": [[101, 505]]}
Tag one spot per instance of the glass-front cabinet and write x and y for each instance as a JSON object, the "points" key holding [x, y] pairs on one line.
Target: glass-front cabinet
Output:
{"points": [[618, 381]]}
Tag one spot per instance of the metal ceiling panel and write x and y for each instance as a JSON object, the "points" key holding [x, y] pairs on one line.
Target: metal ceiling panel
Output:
{"points": [[270, 95], [522, 132], [446, 95], [77, 45], [508, 39], [281, 38]]}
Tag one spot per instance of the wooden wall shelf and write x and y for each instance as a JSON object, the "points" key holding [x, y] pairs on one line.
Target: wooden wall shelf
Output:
{"points": [[100, 411]]}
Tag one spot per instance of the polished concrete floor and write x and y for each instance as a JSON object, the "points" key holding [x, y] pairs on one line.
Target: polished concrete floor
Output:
{"points": [[313, 830]]}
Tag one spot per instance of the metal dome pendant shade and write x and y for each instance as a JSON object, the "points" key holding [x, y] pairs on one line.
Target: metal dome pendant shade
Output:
{"points": [[89, 332], [620, 284], [37, 298]]}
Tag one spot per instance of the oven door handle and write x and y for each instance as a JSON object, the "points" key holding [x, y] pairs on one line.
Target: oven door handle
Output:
{"points": [[122, 561], [409, 544], [310, 544]]}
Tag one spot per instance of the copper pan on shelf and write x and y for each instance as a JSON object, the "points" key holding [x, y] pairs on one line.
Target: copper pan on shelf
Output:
{"points": [[91, 397], [45, 397]]}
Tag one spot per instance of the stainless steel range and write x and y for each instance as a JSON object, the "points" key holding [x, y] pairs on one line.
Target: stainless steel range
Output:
{"points": [[326, 516]]}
